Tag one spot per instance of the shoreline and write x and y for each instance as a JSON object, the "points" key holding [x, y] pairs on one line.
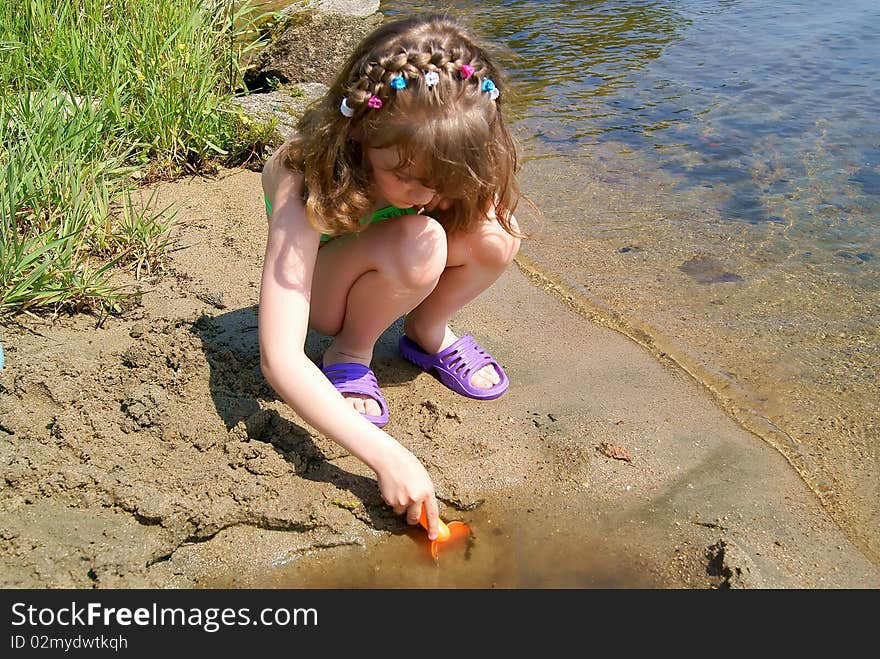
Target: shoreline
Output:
{"points": [[726, 394], [622, 244]]}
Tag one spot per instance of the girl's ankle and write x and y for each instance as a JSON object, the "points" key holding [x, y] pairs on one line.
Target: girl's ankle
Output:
{"points": [[430, 340], [339, 354]]}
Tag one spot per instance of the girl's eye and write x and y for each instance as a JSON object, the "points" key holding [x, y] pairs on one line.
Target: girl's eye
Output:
{"points": [[408, 179]]}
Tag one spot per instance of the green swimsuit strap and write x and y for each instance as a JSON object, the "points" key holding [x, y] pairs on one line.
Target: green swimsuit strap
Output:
{"points": [[376, 216], [387, 213]]}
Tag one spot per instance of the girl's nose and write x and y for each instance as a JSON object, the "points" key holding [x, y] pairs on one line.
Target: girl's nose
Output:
{"points": [[422, 195]]}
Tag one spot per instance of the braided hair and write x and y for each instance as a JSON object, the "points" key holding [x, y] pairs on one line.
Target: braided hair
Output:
{"points": [[426, 86]]}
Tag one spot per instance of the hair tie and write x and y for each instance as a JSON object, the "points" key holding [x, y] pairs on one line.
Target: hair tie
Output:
{"points": [[432, 78], [489, 86], [466, 71], [398, 83], [375, 102], [345, 110]]}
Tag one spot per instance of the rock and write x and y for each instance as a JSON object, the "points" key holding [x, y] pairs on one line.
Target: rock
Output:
{"points": [[731, 563], [286, 105], [309, 47], [706, 270], [359, 8]]}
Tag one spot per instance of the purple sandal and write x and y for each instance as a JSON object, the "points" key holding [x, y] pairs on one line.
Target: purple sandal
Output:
{"points": [[352, 378], [455, 366]]}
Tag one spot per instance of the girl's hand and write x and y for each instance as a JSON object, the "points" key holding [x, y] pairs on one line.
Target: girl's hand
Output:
{"points": [[406, 487]]}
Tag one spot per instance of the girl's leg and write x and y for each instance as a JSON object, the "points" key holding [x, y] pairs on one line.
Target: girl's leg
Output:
{"points": [[475, 261], [364, 282]]}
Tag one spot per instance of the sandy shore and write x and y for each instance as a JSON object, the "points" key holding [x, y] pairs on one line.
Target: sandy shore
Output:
{"points": [[147, 450]]}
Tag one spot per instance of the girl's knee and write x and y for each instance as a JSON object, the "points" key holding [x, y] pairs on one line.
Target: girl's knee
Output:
{"points": [[490, 246], [418, 252], [507, 246], [507, 249]]}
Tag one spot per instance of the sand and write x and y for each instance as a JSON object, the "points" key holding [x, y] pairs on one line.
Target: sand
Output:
{"points": [[146, 450]]}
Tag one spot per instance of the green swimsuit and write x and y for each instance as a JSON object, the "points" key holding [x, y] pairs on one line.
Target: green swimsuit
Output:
{"points": [[376, 216]]}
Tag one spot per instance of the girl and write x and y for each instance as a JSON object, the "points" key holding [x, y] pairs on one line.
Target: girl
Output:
{"points": [[395, 197]]}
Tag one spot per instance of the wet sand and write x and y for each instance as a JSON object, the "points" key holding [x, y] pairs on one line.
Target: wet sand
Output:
{"points": [[147, 450]]}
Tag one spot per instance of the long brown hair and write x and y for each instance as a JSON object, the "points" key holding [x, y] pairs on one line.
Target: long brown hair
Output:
{"points": [[453, 129]]}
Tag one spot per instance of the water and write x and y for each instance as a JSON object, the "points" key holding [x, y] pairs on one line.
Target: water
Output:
{"points": [[510, 547], [710, 176]]}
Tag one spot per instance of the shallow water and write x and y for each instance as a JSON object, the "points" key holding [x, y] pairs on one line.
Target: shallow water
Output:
{"points": [[508, 548], [711, 171]]}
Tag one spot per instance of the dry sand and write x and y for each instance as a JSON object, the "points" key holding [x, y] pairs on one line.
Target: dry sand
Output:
{"points": [[147, 450]]}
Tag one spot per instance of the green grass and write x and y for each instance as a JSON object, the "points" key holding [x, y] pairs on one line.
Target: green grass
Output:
{"points": [[97, 98]]}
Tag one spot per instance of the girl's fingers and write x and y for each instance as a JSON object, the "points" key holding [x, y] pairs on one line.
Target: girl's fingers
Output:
{"points": [[399, 510], [413, 513], [432, 516]]}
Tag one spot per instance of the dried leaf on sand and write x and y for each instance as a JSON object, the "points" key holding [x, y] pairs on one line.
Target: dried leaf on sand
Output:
{"points": [[614, 451]]}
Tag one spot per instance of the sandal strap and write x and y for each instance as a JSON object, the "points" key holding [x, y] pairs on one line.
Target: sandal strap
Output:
{"points": [[465, 357], [455, 365], [352, 378]]}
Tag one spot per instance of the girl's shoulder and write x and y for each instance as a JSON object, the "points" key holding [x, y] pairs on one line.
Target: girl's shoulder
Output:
{"points": [[279, 180], [276, 167]]}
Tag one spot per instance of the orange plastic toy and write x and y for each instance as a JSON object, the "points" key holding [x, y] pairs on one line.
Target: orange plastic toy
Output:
{"points": [[445, 533]]}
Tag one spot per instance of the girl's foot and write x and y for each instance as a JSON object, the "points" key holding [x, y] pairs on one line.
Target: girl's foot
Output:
{"points": [[486, 378], [360, 402]]}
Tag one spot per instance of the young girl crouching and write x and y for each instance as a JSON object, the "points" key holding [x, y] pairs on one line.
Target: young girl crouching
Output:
{"points": [[394, 198]]}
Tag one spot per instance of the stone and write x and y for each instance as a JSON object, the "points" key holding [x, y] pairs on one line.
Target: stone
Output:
{"points": [[308, 47], [286, 105], [358, 8]]}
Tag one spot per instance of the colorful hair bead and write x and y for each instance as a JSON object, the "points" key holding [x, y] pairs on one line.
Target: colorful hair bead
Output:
{"points": [[375, 102], [466, 71], [432, 78], [398, 83], [489, 86], [344, 109]]}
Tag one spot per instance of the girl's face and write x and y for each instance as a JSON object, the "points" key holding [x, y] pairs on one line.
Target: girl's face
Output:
{"points": [[399, 188]]}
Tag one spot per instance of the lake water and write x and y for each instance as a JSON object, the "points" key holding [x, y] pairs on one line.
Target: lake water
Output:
{"points": [[710, 175]]}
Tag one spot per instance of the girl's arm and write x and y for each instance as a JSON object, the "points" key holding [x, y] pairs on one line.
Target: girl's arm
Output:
{"points": [[285, 291]]}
